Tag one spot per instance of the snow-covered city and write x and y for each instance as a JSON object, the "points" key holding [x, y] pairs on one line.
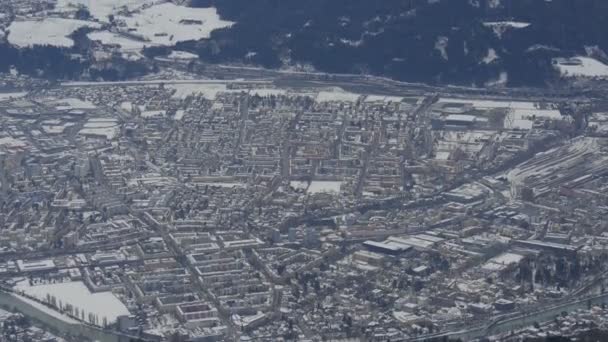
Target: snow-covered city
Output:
{"points": [[148, 194]]}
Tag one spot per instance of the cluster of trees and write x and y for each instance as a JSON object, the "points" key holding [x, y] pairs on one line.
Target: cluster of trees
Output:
{"points": [[56, 63], [399, 38], [60, 63], [75, 311]]}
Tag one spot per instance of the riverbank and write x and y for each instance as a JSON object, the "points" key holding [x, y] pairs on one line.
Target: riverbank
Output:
{"points": [[57, 322]]}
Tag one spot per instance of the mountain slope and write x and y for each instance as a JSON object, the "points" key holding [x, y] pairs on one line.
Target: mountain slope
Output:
{"points": [[430, 41]]}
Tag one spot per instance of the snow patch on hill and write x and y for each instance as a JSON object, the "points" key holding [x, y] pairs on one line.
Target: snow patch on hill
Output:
{"points": [[500, 27], [168, 24], [48, 31], [101, 9], [110, 38], [581, 67]]}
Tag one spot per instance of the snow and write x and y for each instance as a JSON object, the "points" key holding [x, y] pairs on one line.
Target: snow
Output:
{"points": [[337, 94], [490, 104], [513, 24], [126, 106], [490, 57], [155, 22], [382, 98], [48, 31], [72, 103], [298, 185], [56, 128], [101, 127], [519, 118], [267, 92], [520, 114], [156, 82], [581, 67], [9, 142], [179, 114], [441, 45], [500, 262], [351, 42], [500, 27], [46, 309], [503, 78], [494, 3], [323, 187], [100, 123], [469, 191], [507, 258], [563, 158], [102, 304], [101, 9], [10, 96], [208, 91], [109, 133], [316, 186], [222, 184], [168, 24], [182, 55], [110, 38]]}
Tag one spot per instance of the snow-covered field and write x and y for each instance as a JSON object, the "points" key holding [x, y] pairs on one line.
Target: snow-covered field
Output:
{"points": [[108, 128], [168, 24], [581, 67], [317, 186], [102, 304], [110, 38], [101, 9], [48, 31], [267, 92], [72, 103], [337, 95], [210, 91], [382, 98], [10, 96], [324, 187], [489, 104], [140, 22]]}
